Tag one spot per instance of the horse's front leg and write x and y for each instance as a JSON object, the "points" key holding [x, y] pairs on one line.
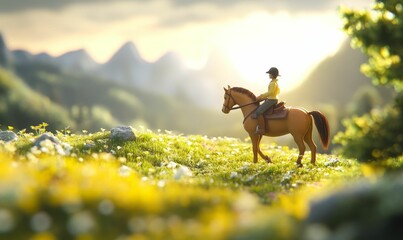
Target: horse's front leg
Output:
{"points": [[265, 157], [255, 145]]}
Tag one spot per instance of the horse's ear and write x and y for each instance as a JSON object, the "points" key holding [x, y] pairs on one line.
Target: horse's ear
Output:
{"points": [[225, 89], [229, 87]]}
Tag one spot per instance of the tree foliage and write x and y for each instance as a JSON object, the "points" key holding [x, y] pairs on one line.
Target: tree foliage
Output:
{"points": [[378, 32]]}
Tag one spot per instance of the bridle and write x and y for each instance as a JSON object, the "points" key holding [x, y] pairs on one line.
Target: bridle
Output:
{"points": [[226, 103]]}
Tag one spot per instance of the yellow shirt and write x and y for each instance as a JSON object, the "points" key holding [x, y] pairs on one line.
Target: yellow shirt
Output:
{"points": [[273, 90]]}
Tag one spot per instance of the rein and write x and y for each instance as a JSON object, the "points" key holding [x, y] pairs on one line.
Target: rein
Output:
{"points": [[246, 117], [234, 108]]}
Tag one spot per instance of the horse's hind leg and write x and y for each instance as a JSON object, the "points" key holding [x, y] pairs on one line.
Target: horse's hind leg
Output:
{"points": [[265, 157], [301, 146], [308, 139]]}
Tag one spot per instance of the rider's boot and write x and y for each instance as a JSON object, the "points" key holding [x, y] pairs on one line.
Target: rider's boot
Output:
{"points": [[261, 125]]}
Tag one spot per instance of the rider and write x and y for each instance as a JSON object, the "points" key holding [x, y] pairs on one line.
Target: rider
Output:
{"points": [[271, 97]]}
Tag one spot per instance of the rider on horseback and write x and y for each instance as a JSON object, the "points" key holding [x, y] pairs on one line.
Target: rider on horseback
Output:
{"points": [[271, 97]]}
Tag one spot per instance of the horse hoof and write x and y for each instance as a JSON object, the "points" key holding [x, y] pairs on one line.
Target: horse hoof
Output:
{"points": [[267, 159], [299, 165], [313, 163]]}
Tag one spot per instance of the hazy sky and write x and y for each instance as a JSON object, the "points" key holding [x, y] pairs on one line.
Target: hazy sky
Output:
{"points": [[293, 35]]}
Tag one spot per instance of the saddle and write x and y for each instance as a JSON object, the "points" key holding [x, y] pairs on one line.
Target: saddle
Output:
{"points": [[278, 111]]}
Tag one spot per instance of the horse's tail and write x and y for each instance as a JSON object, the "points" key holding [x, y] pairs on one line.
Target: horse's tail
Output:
{"points": [[322, 125]]}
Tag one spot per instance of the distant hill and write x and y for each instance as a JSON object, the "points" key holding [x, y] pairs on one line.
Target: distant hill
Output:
{"points": [[78, 60], [21, 107], [167, 74], [126, 67], [5, 54], [334, 81]]}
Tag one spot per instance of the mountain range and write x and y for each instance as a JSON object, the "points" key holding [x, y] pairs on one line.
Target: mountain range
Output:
{"points": [[166, 76]]}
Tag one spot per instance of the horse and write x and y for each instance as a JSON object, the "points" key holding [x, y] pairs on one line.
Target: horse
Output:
{"points": [[298, 123]]}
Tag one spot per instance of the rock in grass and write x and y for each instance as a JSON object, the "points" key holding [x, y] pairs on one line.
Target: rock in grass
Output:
{"points": [[8, 136], [122, 133], [50, 144], [46, 136]]}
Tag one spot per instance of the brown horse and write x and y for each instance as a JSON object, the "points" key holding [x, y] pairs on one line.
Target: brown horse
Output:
{"points": [[298, 123]]}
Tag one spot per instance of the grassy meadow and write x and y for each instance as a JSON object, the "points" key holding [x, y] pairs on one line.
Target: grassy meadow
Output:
{"points": [[165, 185]]}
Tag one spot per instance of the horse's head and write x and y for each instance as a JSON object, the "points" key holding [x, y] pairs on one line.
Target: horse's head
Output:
{"points": [[228, 100]]}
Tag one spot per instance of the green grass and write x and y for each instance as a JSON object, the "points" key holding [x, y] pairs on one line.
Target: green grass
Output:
{"points": [[164, 186]]}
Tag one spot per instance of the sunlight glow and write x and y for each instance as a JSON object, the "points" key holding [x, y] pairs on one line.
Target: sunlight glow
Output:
{"points": [[295, 45]]}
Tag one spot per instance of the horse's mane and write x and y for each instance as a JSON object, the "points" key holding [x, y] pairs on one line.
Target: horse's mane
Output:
{"points": [[245, 91]]}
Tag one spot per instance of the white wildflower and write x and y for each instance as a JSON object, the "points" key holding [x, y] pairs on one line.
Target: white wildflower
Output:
{"points": [[182, 171], [331, 162], [234, 175], [7, 221], [106, 207], [125, 171], [59, 149], [172, 164], [122, 159], [80, 223], [161, 183], [35, 150], [41, 222], [67, 148]]}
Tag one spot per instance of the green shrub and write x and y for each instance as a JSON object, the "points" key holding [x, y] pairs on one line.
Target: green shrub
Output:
{"points": [[374, 136]]}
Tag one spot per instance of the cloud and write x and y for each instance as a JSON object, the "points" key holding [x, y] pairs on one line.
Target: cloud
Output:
{"points": [[169, 13], [22, 5], [289, 5], [156, 26]]}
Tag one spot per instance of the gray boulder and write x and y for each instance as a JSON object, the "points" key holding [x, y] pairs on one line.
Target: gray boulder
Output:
{"points": [[57, 146], [8, 136], [122, 133], [46, 136]]}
